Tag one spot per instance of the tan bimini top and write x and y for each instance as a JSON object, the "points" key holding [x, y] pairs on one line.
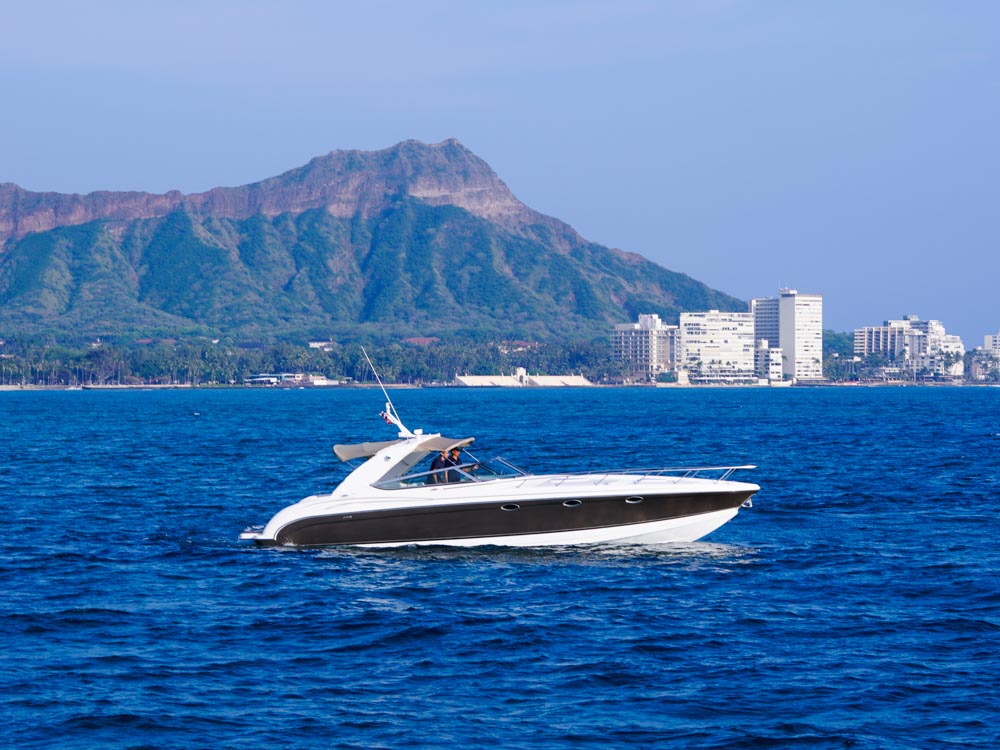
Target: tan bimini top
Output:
{"points": [[367, 450]]}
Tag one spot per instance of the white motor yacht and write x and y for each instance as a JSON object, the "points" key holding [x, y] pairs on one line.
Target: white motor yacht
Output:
{"points": [[391, 499]]}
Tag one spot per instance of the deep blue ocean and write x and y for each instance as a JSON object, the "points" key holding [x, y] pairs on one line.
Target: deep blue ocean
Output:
{"points": [[856, 605]]}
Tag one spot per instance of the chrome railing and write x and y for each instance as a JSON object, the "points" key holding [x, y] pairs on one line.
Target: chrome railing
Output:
{"points": [[676, 472], [487, 471]]}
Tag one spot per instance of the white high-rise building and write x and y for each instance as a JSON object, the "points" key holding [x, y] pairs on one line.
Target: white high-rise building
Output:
{"points": [[717, 346], [646, 348], [766, 320], [801, 334], [792, 322]]}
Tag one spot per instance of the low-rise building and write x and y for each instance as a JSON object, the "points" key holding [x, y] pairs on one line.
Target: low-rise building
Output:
{"points": [[521, 379], [289, 379], [984, 364], [768, 364], [327, 346]]}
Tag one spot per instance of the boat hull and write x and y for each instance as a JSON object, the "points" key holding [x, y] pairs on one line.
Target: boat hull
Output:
{"points": [[634, 518]]}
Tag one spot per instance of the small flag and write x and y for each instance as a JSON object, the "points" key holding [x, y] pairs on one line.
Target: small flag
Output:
{"points": [[386, 417]]}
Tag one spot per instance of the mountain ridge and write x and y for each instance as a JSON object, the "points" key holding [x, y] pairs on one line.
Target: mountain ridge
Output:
{"points": [[330, 181], [413, 239]]}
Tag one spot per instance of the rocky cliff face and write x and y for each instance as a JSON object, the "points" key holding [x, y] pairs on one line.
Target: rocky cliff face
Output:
{"points": [[344, 183], [23, 212]]}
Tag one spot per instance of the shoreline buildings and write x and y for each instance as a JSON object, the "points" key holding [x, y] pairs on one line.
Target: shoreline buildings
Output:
{"points": [[914, 345], [780, 339]]}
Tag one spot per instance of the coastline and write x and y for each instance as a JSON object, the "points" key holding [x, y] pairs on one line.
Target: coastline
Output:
{"points": [[411, 386]]}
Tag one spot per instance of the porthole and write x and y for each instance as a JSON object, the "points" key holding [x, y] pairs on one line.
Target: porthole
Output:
{"points": [[572, 503], [510, 506], [633, 500]]}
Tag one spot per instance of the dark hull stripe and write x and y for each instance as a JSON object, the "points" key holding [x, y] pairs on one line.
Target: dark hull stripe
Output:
{"points": [[484, 520]]}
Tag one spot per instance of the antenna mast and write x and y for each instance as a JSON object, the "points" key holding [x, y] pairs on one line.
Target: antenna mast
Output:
{"points": [[390, 415]]}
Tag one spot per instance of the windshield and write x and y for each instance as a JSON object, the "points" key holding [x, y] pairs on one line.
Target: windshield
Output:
{"points": [[463, 468]]}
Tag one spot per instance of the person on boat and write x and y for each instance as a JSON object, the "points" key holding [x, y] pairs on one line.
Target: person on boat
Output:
{"points": [[438, 465], [455, 459]]}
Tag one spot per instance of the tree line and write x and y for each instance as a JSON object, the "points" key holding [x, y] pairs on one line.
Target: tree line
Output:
{"points": [[202, 361], [225, 362]]}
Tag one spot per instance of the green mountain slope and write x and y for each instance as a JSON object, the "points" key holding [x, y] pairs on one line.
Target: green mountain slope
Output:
{"points": [[405, 264]]}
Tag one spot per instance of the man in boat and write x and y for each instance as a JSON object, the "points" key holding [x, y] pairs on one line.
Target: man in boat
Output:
{"points": [[438, 465], [455, 459]]}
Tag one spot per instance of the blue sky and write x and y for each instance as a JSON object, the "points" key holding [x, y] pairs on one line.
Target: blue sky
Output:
{"points": [[845, 148]]}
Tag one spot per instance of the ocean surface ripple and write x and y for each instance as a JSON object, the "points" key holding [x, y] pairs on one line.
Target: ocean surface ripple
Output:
{"points": [[856, 605]]}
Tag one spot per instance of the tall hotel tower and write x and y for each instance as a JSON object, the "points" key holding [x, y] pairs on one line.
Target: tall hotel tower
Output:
{"points": [[793, 322]]}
